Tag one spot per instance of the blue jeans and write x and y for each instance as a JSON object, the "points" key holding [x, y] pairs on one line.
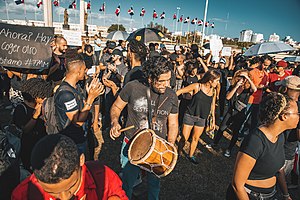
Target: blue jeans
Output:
{"points": [[130, 174]]}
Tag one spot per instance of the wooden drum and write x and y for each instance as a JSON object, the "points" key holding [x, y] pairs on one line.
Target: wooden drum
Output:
{"points": [[152, 153]]}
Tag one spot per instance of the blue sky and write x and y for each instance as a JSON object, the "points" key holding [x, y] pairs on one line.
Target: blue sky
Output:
{"points": [[261, 16]]}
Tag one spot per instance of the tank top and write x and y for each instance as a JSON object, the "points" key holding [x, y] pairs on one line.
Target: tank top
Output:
{"points": [[200, 105]]}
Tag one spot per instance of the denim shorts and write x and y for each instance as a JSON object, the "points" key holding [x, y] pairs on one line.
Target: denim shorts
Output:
{"points": [[193, 120]]}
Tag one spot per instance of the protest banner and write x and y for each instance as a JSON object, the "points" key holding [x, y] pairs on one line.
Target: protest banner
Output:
{"points": [[25, 46], [226, 51], [73, 37], [216, 46]]}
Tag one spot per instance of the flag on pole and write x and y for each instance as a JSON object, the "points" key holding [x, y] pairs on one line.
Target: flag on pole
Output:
{"points": [[88, 6], [56, 3], [174, 16], [73, 5], [207, 24], [39, 3], [187, 20], [19, 2], [102, 8], [180, 19], [200, 22], [194, 21], [163, 15], [212, 25], [130, 11], [154, 14], [118, 10], [143, 11]]}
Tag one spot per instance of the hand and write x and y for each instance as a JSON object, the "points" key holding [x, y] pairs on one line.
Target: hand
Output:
{"points": [[112, 67], [245, 76], [109, 83], [95, 88], [260, 86], [37, 110], [114, 130], [239, 83]]}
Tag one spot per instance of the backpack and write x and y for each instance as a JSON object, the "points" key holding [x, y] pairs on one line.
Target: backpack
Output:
{"points": [[50, 116]]}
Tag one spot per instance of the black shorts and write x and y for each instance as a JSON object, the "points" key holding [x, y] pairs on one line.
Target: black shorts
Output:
{"points": [[193, 120]]}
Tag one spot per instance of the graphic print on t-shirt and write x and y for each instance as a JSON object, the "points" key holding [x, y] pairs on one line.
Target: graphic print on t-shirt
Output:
{"points": [[71, 104]]}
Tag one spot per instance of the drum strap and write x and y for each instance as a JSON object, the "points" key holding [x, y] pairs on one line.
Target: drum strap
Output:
{"points": [[152, 119]]}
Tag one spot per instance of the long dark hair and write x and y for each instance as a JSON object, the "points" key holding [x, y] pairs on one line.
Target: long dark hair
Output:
{"points": [[210, 75]]}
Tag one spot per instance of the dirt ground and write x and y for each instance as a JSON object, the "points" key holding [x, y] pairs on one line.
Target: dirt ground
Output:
{"points": [[207, 180]]}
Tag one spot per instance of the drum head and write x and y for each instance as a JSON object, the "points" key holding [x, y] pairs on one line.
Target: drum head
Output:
{"points": [[141, 145]]}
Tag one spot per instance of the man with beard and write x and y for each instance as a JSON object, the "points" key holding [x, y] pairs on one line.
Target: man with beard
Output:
{"points": [[136, 55], [139, 98], [57, 69]]}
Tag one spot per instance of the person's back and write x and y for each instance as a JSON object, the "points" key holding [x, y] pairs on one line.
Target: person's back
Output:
{"points": [[60, 172]]}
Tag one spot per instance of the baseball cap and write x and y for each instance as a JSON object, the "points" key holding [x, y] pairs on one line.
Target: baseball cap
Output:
{"points": [[282, 63], [291, 82], [111, 45], [223, 60], [117, 52], [215, 59], [177, 48]]}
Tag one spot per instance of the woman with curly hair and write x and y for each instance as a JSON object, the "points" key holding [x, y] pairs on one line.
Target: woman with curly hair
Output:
{"points": [[260, 160], [27, 115], [239, 92]]}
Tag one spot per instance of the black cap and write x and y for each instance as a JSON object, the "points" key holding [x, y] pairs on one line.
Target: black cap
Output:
{"points": [[117, 52], [173, 57], [111, 45]]}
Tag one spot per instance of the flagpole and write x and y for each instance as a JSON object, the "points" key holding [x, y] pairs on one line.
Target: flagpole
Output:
{"points": [[142, 21], [195, 27], [7, 17], [178, 8], [25, 12], [104, 15], [187, 40], [163, 25], [181, 33], [91, 20], [35, 13], [203, 28], [118, 21]]}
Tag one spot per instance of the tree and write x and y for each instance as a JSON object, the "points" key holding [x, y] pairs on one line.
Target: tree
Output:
{"points": [[114, 27]]}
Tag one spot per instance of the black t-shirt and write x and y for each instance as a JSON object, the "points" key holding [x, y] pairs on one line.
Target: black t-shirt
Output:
{"points": [[69, 100], [135, 73], [135, 94], [243, 97], [88, 60], [57, 69], [269, 156], [200, 105], [291, 140]]}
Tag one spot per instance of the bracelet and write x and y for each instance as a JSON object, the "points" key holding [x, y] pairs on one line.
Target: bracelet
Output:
{"points": [[286, 195], [90, 105]]}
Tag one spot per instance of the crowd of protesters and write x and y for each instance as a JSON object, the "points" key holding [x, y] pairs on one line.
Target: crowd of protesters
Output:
{"points": [[92, 91]]}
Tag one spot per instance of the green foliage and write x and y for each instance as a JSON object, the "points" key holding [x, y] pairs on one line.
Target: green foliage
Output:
{"points": [[114, 27]]}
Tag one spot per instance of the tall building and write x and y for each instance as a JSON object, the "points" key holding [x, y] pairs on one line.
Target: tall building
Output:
{"points": [[257, 37], [245, 36], [274, 38]]}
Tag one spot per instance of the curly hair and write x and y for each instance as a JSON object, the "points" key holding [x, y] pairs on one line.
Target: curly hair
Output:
{"points": [[36, 88], [236, 77], [54, 158], [156, 66], [139, 49], [272, 107]]}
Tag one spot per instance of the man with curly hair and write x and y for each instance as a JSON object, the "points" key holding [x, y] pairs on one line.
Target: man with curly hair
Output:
{"points": [[156, 96], [60, 172]]}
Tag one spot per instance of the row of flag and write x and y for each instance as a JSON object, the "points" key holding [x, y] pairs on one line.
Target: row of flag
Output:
{"points": [[194, 21]]}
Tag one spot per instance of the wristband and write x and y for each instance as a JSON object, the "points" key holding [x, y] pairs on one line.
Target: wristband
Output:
{"points": [[90, 105], [286, 195]]}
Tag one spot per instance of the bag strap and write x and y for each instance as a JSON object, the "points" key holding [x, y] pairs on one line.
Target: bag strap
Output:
{"points": [[97, 170], [149, 108]]}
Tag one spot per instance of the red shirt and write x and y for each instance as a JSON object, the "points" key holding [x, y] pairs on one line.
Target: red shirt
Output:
{"points": [[259, 77], [112, 187], [273, 78]]}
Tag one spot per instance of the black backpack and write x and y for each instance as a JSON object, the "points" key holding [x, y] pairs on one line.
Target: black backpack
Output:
{"points": [[50, 116]]}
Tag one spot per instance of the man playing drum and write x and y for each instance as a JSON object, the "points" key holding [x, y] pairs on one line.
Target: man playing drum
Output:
{"points": [[163, 119]]}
